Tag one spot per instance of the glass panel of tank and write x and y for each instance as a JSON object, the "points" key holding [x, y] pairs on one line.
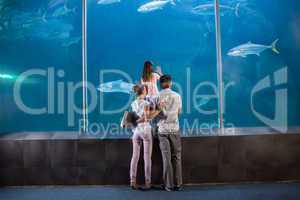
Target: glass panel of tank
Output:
{"points": [[176, 35], [40, 53], [260, 44]]}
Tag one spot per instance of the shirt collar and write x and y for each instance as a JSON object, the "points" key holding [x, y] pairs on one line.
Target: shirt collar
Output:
{"points": [[166, 90]]}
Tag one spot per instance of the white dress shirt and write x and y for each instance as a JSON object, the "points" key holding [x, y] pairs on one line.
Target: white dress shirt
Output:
{"points": [[173, 104]]}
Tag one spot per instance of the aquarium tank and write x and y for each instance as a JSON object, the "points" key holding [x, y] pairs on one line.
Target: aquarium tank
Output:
{"points": [[41, 62]]}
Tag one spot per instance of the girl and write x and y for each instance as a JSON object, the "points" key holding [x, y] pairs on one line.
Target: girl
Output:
{"points": [[150, 78]]}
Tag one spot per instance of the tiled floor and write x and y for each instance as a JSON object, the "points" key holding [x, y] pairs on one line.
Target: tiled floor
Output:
{"points": [[233, 192]]}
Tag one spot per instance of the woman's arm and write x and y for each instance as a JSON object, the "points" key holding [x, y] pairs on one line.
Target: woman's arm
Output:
{"points": [[154, 113], [158, 71], [149, 114], [157, 111]]}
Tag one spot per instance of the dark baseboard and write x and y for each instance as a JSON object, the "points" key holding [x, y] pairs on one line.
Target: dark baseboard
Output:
{"points": [[214, 159]]}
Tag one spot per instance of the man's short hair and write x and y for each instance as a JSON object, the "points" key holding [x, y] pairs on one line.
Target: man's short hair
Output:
{"points": [[165, 81]]}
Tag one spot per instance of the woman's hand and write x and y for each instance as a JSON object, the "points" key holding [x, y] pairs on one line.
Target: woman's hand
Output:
{"points": [[124, 119], [161, 105], [141, 120]]}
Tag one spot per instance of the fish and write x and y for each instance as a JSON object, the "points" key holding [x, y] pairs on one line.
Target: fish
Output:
{"points": [[63, 11], [54, 3], [209, 9], [203, 101], [61, 35], [155, 5], [21, 19], [7, 3], [116, 86], [52, 30], [71, 41], [107, 2], [7, 77], [18, 25], [252, 49]]}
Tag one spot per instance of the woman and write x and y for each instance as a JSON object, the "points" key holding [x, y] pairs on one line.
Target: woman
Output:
{"points": [[150, 78], [142, 134]]}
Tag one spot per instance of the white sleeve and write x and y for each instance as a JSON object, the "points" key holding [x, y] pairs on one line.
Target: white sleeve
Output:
{"points": [[147, 103], [179, 102], [133, 106]]}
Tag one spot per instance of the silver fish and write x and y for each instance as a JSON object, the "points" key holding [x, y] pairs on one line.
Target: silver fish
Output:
{"points": [[52, 30], [154, 5], [209, 9], [107, 2], [54, 3], [203, 101], [71, 41], [63, 11], [116, 86], [252, 49]]}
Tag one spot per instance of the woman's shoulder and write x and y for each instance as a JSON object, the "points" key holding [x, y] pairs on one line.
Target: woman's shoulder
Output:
{"points": [[143, 102], [138, 101], [134, 103]]}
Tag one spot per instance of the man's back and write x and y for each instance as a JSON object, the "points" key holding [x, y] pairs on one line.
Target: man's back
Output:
{"points": [[169, 136], [172, 106]]}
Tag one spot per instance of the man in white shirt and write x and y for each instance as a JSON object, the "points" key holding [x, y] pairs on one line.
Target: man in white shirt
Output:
{"points": [[169, 136]]}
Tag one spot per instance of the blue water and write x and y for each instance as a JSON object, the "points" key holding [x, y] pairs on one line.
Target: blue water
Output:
{"points": [[121, 38]]}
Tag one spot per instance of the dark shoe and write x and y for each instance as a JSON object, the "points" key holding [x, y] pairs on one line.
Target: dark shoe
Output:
{"points": [[178, 188], [158, 187], [146, 187], [134, 186]]}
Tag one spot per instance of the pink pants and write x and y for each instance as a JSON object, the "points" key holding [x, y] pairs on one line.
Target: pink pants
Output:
{"points": [[141, 136]]}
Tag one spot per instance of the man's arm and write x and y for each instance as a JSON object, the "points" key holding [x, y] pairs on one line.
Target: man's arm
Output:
{"points": [[179, 105], [152, 113]]}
